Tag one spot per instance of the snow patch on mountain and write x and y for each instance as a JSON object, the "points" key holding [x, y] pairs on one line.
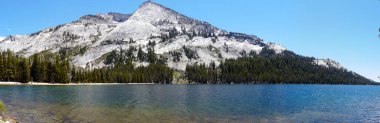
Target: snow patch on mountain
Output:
{"points": [[2, 38]]}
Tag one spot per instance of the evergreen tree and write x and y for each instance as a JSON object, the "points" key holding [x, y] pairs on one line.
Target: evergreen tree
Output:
{"points": [[141, 54], [191, 54], [36, 68], [111, 57], [10, 70], [130, 53], [131, 40], [152, 57], [73, 75], [2, 67], [64, 77], [25, 71]]}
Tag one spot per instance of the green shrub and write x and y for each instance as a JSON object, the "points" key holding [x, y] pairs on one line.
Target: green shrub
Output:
{"points": [[2, 106]]}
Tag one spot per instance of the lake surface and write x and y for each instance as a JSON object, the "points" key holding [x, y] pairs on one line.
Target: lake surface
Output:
{"points": [[193, 103]]}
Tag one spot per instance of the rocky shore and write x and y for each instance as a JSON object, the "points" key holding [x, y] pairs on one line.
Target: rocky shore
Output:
{"points": [[3, 118], [7, 120]]}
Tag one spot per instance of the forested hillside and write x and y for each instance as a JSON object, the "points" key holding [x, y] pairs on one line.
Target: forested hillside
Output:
{"points": [[266, 67], [52, 68]]}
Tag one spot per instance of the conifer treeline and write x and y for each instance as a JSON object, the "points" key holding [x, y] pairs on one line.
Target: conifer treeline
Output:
{"points": [[270, 68], [13, 68], [266, 67], [52, 68], [125, 73], [202, 74], [19, 69]]}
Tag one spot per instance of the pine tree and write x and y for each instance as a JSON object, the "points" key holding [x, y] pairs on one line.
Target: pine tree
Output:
{"points": [[25, 71], [73, 75], [152, 57], [10, 75], [2, 68], [131, 40], [35, 70], [65, 71], [43, 70], [141, 54], [130, 53]]}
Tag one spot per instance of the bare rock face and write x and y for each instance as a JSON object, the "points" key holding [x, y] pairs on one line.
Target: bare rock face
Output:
{"points": [[174, 35]]}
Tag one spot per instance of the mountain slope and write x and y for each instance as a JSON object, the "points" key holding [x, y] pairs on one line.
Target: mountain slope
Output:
{"points": [[103, 33], [179, 39]]}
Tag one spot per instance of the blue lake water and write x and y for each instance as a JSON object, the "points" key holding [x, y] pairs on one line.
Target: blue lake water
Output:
{"points": [[193, 103]]}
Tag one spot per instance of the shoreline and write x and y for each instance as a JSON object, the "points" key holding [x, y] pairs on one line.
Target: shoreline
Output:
{"points": [[79, 84], [68, 84]]}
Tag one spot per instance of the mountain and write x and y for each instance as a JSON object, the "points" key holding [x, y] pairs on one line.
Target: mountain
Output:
{"points": [[103, 33], [178, 39]]}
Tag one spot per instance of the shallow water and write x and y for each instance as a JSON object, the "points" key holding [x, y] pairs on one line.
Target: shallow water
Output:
{"points": [[193, 103]]}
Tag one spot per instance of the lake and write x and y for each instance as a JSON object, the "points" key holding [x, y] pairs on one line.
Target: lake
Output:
{"points": [[193, 103]]}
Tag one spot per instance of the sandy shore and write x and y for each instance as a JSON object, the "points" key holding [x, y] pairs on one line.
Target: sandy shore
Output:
{"points": [[68, 84]]}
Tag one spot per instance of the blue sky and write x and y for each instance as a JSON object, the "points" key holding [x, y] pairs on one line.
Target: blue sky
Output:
{"points": [[342, 30]]}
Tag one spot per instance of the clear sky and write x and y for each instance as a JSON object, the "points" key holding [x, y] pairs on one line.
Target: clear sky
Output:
{"points": [[343, 30]]}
